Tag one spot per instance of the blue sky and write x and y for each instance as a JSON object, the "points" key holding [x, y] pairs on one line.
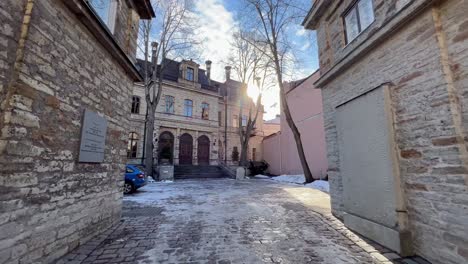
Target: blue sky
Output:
{"points": [[218, 19]]}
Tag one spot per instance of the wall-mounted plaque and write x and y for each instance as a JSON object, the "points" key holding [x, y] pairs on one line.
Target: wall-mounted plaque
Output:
{"points": [[93, 137]]}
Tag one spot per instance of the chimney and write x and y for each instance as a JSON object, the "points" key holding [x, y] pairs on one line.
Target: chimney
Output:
{"points": [[208, 70], [228, 72]]}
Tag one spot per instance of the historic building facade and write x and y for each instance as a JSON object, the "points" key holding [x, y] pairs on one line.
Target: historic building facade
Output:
{"points": [[58, 61], [191, 118], [394, 80]]}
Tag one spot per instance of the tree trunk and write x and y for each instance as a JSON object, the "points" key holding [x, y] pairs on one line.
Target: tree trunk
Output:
{"points": [[149, 142], [244, 151], [297, 137]]}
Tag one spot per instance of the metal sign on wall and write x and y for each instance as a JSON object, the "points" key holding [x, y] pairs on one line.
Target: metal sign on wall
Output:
{"points": [[93, 137]]}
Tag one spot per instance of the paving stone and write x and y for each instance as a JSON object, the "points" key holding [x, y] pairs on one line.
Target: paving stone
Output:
{"points": [[227, 221]]}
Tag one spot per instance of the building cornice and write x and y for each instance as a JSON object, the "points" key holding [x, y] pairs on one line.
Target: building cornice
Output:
{"points": [[315, 13], [378, 36], [144, 8], [91, 21], [198, 90]]}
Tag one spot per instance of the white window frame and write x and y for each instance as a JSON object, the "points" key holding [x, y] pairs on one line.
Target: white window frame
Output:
{"points": [[192, 71], [111, 14], [354, 8]]}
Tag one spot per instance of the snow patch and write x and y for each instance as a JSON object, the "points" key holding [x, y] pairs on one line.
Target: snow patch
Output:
{"points": [[261, 177], [321, 185]]}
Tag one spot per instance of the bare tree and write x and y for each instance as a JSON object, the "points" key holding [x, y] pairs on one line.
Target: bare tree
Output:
{"points": [[251, 66], [273, 20], [174, 37]]}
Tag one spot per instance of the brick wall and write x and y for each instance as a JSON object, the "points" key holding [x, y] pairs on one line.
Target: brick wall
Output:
{"points": [[432, 161], [50, 203]]}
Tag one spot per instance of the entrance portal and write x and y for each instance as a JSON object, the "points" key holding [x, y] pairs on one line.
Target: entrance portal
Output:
{"points": [[166, 148], [203, 150], [185, 149]]}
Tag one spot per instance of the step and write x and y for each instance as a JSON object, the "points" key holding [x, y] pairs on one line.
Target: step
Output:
{"points": [[198, 172]]}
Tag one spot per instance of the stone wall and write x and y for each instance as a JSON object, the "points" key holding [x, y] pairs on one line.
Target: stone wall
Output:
{"points": [[50, 203], [424, 63]]}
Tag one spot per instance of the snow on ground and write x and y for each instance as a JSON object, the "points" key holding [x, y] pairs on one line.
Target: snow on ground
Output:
{"points": [[299, 179], [321, 185]]}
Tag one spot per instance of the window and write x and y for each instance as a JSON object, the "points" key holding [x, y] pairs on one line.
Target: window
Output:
{"points": [[188, 106], [220, 116], [235, 121], [135, 105], [190, 74], [254, 154], [132, 145], [358, 18], [205, 111], [244, 120], [169, 104], [235, 154], [106, 11]]}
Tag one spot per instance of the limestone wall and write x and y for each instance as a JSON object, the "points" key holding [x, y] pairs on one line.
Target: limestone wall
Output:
{"points": [[424, 62], [50, 203]]}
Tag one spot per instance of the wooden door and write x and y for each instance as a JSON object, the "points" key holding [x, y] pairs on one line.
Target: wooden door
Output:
{"points": [[203, 150], [185, 149]]}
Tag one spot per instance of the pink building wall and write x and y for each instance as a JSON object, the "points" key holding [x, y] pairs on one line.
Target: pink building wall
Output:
{"points": [[280, 150]]}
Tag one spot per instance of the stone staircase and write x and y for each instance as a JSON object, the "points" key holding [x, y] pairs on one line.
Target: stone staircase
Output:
{"points": [[198, 172]]}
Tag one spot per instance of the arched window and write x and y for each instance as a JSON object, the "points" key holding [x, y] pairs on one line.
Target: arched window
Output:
{"points": [[188, 107], [135, 105], [205, 111], [132, 147]]}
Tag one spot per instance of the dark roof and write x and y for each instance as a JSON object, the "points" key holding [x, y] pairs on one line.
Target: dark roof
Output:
{"points": [[172, 73]]}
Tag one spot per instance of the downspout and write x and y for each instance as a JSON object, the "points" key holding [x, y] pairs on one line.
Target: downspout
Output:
{"points": [[144, 137], [225, 128]]}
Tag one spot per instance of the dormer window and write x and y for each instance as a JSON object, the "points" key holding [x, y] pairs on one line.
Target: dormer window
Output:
{"points": [[358, 18], [106, 10], [190, 74]]}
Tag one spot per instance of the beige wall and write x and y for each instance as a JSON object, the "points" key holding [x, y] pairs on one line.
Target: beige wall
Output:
{"points": [[420, 51]]}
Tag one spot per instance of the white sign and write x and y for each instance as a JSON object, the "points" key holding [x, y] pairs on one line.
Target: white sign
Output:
{"points": [[93, 138]]}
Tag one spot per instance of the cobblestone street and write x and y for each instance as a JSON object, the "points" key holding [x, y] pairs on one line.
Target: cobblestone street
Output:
{"points": [[227, 221]]}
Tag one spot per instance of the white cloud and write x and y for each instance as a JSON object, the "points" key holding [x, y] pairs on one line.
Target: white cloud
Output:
{"points": [[306, 46], [301, 32], [215, 25]]}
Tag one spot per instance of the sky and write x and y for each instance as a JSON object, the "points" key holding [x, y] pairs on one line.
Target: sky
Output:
{"points": [[217, 20]]}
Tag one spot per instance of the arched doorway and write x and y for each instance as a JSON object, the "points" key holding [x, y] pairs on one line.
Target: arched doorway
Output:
{"points": [[166, 147], [185, 149], [203, 150]]}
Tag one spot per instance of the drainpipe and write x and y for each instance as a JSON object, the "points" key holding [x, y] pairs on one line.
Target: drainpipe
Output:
{"points": [[225, 128], [143, 157]]}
